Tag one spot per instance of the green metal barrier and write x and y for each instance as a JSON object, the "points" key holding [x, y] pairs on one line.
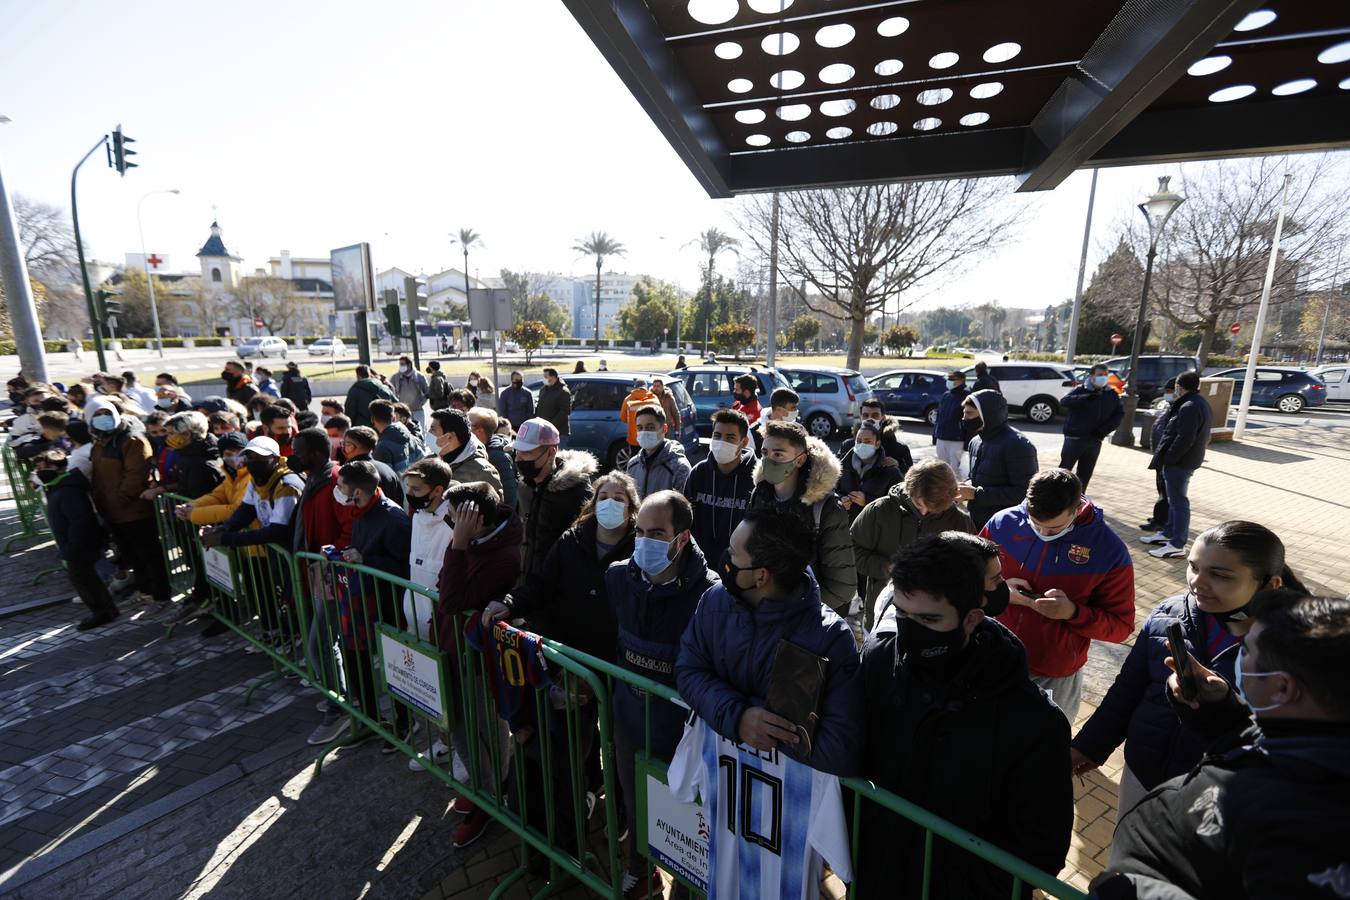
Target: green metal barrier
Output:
{"points": [[355, 633], [30, 505]]}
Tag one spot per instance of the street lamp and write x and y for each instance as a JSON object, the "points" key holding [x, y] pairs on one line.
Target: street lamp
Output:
{"points": [[149, 278], [1157, 209]]}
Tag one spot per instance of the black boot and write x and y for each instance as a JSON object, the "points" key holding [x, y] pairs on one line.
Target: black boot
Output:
{"points": [[97, 619]]}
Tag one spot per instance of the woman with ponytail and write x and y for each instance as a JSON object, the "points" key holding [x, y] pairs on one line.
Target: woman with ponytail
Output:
{"points": [[1226, 567]]}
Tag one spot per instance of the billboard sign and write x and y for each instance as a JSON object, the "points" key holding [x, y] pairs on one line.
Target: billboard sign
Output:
{"points": [[353, 279]]}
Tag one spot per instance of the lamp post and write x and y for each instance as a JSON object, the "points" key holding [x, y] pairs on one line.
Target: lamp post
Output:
{"points": [[149, 277], [1157, 209]]}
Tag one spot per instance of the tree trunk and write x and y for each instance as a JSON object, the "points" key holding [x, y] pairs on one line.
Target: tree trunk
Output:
{"points": [[598, 264], [1206, 341], [856, 337]]}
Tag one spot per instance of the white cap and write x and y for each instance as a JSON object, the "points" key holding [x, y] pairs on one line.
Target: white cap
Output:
{"points": [[263, 446]]}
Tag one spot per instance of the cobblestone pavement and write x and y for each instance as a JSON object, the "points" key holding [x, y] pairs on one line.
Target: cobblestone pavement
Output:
{"points": [[130, 767]]}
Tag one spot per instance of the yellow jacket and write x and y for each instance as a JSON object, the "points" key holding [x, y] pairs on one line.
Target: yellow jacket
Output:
{"points": [[220, 504]]}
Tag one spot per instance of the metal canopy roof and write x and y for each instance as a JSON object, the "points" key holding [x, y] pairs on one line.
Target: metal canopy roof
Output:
{"points": [[759, 95]]}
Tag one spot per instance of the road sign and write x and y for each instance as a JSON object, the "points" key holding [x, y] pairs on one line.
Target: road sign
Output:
{"points": [[257, 323], [1235, 327], [1116, 339], [490, 309]]}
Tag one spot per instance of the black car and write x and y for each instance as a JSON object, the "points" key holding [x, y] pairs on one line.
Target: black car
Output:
{"points": [[1154, 371]]}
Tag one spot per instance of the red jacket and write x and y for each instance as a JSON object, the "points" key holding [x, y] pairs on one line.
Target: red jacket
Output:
{"points": [[325, 521], [1090, 564], [750, 409], [471, 578]]}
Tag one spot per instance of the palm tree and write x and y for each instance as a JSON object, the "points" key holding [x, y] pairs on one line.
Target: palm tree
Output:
{"points": [[598, 244], [712, 242], [467, 238]]}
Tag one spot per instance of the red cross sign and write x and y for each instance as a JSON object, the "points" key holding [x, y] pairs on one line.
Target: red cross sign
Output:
{"points": [[153, 261]]}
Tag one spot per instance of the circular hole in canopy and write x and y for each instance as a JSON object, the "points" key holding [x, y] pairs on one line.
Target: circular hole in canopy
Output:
{"points": [[835, 35], [798, 137], [927, 124], [768, 6], [838, 132], [836, 73], [1209, 65], [935, 96], [1345, 84], [986, 89], [838, 107], [1336, 53], [1001, 53], [757, 140], [740, 85], [1297, 86], [780, 43], [885, 101], [713, 12], [794, 112], [893, 27], [750, 116], [1233, 92], [944, 60], [976, 118], [881, 129], [1254, 20], [888, 67], [728, 50], [787, 80]]}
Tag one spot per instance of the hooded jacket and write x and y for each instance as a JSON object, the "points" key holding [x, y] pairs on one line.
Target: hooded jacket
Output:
{"points": [[438, 389], [1184, 433], [505, 465], [555, 404], [885, 526], [719, 500], [272, 505], [892, 444], [949, 415], [473, 577], [122, 465], [985, 749], [471, 463], [395, 448], [672, 411], [651, 620], [217, 506], [1090, 564], [637, 398], [875, 479], [549, 509], [410, 388], [726, 658], [426, 555], [516, 404], [242, 390], [1002, 459], [363, 390], [1136, 710], [819, 511], [669, 470], [197, 467], [70, 513], [1263, 815], [1091, 413], [567, 602], [295, 387]]}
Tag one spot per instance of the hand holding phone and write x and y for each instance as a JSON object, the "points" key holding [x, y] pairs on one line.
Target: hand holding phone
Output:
{"points": [[1176, 643]]}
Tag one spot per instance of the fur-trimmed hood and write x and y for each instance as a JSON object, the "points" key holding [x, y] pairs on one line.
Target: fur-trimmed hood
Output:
{"points": [[820, 477], [576, 467]]}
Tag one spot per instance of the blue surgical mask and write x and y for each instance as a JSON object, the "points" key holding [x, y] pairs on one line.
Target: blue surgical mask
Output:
{"points": [[1169, 397], [1099, 380], [951, 385], [1053, 537], [1239, 677], [611, 513], [652, 556], [865, 451]]}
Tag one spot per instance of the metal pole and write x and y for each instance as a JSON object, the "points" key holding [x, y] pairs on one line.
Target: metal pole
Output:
{"points": [[1071, 345], [94, 324], [496, 382], [149, 277], [773, 285], [1249, 381], [1326, 309], [1124, 434], [19, 295]]}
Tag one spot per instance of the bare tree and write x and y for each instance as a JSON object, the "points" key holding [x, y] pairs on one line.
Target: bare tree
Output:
{"points": [[267, 298], [1217, 245], [49, 252], [863, 247]]}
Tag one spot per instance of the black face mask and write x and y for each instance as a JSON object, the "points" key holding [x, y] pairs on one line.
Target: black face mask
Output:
{"points": [[528, 468], [971, 427], [47, 476], [729, 572], [416, 503], [515, 383], [16, 398], [157, 442], [1233, 615], [996, 601], [260, 470], [229, 377], [928, 649]]}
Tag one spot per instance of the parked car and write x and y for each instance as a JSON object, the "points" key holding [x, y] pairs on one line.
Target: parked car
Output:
{"points": [[1288, 390], [913, 393], [594, 424], [261, 346], [710, 387], [327, 347], [1337, 379], [830, 398], [1154, 371], [1033, 389]]}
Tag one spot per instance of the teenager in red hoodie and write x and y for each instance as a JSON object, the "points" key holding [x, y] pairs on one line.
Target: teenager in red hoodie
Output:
{"points": [[1070, 581]]}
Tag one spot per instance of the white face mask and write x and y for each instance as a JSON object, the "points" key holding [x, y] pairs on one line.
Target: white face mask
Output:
{"points": [[405, 369], [724, 451], [611, 513], [1240, 677], [1053, 537], [865, 451], [340, 498], [790, 416], [649, 440]]}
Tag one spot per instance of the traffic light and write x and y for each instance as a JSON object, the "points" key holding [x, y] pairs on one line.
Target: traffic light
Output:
{"points": [[393, 323], [121, 151], [417, 303]]}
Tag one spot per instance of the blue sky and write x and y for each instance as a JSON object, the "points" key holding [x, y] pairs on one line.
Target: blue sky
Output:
{"points": [[313, 125]]}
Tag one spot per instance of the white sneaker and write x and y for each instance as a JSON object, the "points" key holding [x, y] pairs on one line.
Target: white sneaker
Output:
{"points": [[440, 753], [459, 769], [1167, 551], [1157, 538]]}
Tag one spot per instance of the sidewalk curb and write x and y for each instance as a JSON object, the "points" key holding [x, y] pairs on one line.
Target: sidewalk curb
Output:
{"points": [[33, 869]]}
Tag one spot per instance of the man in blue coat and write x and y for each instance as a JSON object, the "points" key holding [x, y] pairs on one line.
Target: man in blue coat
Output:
{"points": [[1002, 459], [949, 436], [1091, 412], [767, 595], [1178, 451]]}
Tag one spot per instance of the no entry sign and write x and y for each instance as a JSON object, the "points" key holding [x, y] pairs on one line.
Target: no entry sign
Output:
{"points": [[1116, 339], [1235, 327]]}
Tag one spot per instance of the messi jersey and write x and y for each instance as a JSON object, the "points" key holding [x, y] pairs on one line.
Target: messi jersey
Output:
{"points": [[514, 663], [773, 819]]}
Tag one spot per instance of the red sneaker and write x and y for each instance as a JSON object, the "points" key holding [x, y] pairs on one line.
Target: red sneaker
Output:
{"points": [[470, 830], [463, 806]]}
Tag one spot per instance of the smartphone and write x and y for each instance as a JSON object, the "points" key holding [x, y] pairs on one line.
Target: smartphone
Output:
{"points": [[1176, 642]]}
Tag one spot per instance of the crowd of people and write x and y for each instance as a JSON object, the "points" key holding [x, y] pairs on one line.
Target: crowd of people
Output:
{"points": [[951, 601]]}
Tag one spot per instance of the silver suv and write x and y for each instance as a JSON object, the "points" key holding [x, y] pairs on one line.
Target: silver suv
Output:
{"points": [[830, 398]]}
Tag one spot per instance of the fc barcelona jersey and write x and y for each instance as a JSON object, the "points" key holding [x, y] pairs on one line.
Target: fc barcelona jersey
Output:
{"points": [[514, 663]]}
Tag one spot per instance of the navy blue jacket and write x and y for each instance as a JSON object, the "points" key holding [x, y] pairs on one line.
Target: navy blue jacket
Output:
{"points": [[652, 618], [1091, 413], [948, 427], [1136, 710], [1181, 444], [726, 659], [719, 501], [70, 513], [383, 535], [1002, 460]]}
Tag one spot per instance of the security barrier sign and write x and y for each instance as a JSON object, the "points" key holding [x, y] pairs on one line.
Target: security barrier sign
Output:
{"points": [[673, 834], [414, 673]]}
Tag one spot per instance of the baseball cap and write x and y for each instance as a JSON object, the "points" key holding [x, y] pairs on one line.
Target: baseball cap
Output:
{"points": [[536, 433], [263, 446], [213, 404], [231, 440]]}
